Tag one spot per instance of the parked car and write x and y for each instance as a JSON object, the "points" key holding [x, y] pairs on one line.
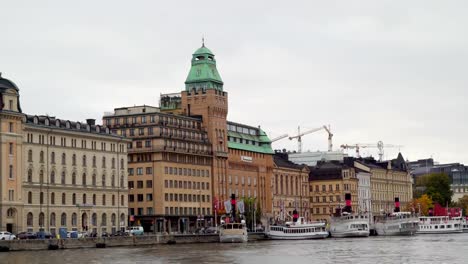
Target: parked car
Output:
{"points": [[120, 233], [7, 236], [105, 234], [135, 230], [211, 230], [47, 235], [27, 235]]}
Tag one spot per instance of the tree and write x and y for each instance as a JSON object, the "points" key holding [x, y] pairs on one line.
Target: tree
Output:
{"points": [[423, 203], [438, 188], [463, 204], [249, 203]]}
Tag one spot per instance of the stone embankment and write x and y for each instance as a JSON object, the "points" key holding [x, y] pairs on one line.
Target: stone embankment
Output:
{"points": [[133, 241]]}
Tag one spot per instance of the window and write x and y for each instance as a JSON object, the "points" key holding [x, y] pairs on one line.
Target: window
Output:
{"points": [[94, 179], [52, 219], [149, 197], [149, 170], [64, 201], [74, 160], [30, 156], [74, 178], [139, 171], [103, 180], [11, 171], [41, 198], [140, 184], [74, 199], [11, 195], [74, 219], [131, 185], [52, 198], [10, 148], [10, 127], [84, 198], [94, 199], [83, 180], [149, 184], [30, 175], [63, 219], [131, 198], [29, 219], [52, 177], [52, 158], [103, 199]]}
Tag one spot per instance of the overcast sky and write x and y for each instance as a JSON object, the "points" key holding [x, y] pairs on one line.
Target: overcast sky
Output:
{"points": [[374, 70]]}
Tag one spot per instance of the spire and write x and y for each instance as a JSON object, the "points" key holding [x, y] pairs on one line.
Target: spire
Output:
{"points": [[203, 73], [202, 40]]}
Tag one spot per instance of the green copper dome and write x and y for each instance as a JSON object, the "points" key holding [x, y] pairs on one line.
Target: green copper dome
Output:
{"points": [[203, 74]]}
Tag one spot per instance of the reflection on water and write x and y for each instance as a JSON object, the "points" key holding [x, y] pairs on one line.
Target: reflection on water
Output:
{"points": [[417, 249]]}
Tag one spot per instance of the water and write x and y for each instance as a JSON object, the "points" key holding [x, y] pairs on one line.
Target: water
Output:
{"points": [[416, 249]]}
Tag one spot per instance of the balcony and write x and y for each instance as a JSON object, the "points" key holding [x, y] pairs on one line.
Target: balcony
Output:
{"points": [[221, 154], [169, 149]]}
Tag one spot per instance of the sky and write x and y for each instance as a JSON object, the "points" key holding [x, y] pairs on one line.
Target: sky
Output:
{"points": [[393, 71]]}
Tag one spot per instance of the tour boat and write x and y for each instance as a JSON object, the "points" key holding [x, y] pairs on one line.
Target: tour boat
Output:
{"points": [[396, 224], [233, 232], [346, 224], [464, 225], [299, 229], [233, 228], [440, 225]]}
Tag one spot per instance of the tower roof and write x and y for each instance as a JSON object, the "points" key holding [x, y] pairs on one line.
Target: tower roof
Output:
{"points": [[7, 84], [203, 73]]}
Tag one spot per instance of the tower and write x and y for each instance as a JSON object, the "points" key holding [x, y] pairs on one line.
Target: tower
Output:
{"points": [[204, 97], [11, 157]]}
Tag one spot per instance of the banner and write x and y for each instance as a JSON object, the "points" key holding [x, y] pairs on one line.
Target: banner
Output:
{"points": [[227, 206], [240, 206]]}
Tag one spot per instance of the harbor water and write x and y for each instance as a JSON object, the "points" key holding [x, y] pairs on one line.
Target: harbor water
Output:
{"points": [[417, 249]]}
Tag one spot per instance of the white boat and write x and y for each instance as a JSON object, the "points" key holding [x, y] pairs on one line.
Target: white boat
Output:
{"points": [[233, 232], [440, 225], [397, 224], [349, 225], [464, 225], [298, 230]]}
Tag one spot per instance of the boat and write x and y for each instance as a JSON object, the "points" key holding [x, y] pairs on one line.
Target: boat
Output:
{"points": [[397, 223], [299, 228], [464, 225], [344, 223], [440, 225], [233, 232], [233, 228]]}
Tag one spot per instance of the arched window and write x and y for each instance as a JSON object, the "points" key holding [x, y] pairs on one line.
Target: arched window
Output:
{"points": [[62, 179], [64, 159], [122, 218], [52, 219], [63, 219], [103, 162], [84, 179], [94, 199], [94, 161], [103, 199], [113, 219], [30, 175], [84, 160], [74, 178], [30, 156], [113, 200], [41, 157], [41, 176], [52, 198], [52, 157], [11, 212], [94, 179], [104, 219], [41, 219], [74, 219], [52, 177], [94, 219], [29, 197], [103, 180], [64, 198], [84, 198], [74, 160], [74, 199], [29, 219]]}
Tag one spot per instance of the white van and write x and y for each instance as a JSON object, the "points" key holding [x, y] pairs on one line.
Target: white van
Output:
{"points": [[135, 230]]}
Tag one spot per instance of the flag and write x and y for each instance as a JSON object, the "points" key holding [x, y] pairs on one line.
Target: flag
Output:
{"points": [[240, 206], [227, 205]]}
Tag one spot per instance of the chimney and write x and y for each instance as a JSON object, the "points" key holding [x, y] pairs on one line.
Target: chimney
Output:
{"points": [[348, 207], [397, 204], [91, 122]]}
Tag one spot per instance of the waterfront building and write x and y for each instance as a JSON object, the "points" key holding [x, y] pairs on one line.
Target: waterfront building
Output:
{"points": [[193, 157], [58, 173], [328, 184], [388, 180], [290, 185], [310, 158], [364, 191]]}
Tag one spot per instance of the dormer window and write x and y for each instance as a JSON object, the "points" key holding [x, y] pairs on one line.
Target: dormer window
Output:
{"points": [[36, 120], [78, 126], [107, 130], [68, 125], [98, 129], [88, 128], [57, 123], [46, 122]]}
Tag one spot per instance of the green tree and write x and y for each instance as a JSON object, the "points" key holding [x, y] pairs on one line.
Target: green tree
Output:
{"points": [[463, 204], [250, 210], [438, 188]]}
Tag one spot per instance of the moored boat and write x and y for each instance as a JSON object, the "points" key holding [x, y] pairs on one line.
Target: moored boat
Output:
{"points": [[298, 229], [439, 225], [397, 223], [346, 224], [233, 228]]}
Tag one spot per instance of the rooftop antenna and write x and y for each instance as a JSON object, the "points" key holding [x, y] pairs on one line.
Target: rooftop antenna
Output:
{"points": [[203, 41]]}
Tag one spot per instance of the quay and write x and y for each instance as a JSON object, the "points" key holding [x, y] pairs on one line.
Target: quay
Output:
{"points": [[103, 242]]}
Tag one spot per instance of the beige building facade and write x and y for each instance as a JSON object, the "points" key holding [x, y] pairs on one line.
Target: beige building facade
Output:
{"points": [[61, 174]]}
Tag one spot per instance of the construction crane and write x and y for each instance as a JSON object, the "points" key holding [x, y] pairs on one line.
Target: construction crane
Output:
{"points": [[279, 137], [300, 135], [380, 146]]}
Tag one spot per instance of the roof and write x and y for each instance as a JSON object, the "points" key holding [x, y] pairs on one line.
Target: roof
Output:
{"points": [[281, 160], [203, 50], [7, 84], [259, 140], [326, 171], [203, 73]]}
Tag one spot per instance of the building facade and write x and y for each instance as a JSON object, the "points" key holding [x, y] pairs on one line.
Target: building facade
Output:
{"points": [[290, 188], [388, 179], [192, 158], [66, 175], [328, 184], [364, 191]]}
